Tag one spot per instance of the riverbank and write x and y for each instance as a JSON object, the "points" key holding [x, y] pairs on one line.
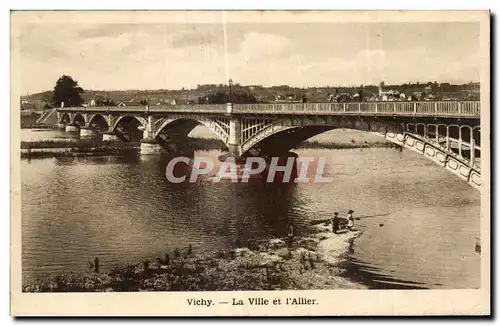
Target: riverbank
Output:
{"points": [[312, 144], [36, 126], [94, 147], [76, 147], [311, 262]]}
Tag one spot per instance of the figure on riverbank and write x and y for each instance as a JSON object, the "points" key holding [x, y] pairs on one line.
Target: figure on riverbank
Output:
{"points": [[291, 234], [335, 222], [350, 220], [95, 265]]}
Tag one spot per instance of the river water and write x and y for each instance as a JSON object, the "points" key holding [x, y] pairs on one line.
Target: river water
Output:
{"points": [[421, 232]]}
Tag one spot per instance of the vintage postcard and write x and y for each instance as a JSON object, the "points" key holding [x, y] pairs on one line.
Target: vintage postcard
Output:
{"points": [[250, 163]]}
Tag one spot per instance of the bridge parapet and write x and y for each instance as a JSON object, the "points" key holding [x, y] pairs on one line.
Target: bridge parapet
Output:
{"points": [[465, 109], [435, 109]]}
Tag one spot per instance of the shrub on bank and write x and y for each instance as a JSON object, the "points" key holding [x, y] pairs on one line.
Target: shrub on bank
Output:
{"points": [[205, 272]]}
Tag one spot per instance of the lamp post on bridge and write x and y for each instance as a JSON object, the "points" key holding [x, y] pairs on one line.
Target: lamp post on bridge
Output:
{"points": [[229, 104], [230, 84], [187, 95]]}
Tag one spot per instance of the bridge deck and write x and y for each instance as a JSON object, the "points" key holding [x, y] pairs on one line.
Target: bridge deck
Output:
{"points": [[466, 109]]}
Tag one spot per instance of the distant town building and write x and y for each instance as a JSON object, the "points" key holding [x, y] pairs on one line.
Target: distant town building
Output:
{"points": [[417, 96], [387, 95]]}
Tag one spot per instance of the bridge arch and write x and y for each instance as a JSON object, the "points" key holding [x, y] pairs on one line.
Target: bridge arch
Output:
{"points": [[129, 118], [98, 121], [64, 118], [414, 137], [184, 124], [315, 126], [129, 127], [477, 135], [78, 119], [276, 141]]}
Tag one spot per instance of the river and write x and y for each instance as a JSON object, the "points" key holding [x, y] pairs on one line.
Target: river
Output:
{"points": [[122, 209]]}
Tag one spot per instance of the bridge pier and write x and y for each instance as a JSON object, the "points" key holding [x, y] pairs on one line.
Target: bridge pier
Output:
{"points": [[87, 132], [150, 147], [71, 128], [234, 142], [109, 136]]}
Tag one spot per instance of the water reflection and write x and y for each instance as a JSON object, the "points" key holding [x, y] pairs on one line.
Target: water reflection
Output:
{"points": [[124, 209]]}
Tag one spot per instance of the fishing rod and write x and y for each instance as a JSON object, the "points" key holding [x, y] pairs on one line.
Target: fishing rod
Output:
{"points": [[367, 216], [316, 222]]}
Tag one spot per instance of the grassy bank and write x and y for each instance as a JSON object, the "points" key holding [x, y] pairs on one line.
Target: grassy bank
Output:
{"points": [[37, 126], [352, 145], [76, 147], [307, 263], [94, 147], [77, 144], [193, 143]]}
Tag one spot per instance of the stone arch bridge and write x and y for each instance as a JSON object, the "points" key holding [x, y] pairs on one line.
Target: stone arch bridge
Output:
{"points": [[446, 132]]}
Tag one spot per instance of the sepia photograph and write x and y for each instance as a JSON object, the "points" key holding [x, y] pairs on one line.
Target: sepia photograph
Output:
{"points": [[217, 152]]}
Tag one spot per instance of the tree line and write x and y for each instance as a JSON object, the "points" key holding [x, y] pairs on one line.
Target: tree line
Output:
{"points": [[68, 91]]}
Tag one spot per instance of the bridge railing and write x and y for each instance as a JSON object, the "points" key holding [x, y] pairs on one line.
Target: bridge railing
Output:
{"points": [[440, 108], [209, 108]]}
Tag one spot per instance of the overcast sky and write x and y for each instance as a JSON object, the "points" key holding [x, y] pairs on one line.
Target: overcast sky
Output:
{"points": [[172, 56]]}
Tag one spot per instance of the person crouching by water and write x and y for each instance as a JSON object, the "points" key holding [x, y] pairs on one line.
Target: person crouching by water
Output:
{"points": [[335, 222], [291, 234], [350, 220]]}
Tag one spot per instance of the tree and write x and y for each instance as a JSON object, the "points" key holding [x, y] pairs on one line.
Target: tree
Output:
{"points": [[101, 100], [67, 91]]}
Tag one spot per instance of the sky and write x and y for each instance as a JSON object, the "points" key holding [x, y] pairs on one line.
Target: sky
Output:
{"points": [[119, 56]]}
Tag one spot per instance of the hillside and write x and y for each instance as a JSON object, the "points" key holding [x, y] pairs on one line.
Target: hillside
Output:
{"points": [[431, 91]]}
